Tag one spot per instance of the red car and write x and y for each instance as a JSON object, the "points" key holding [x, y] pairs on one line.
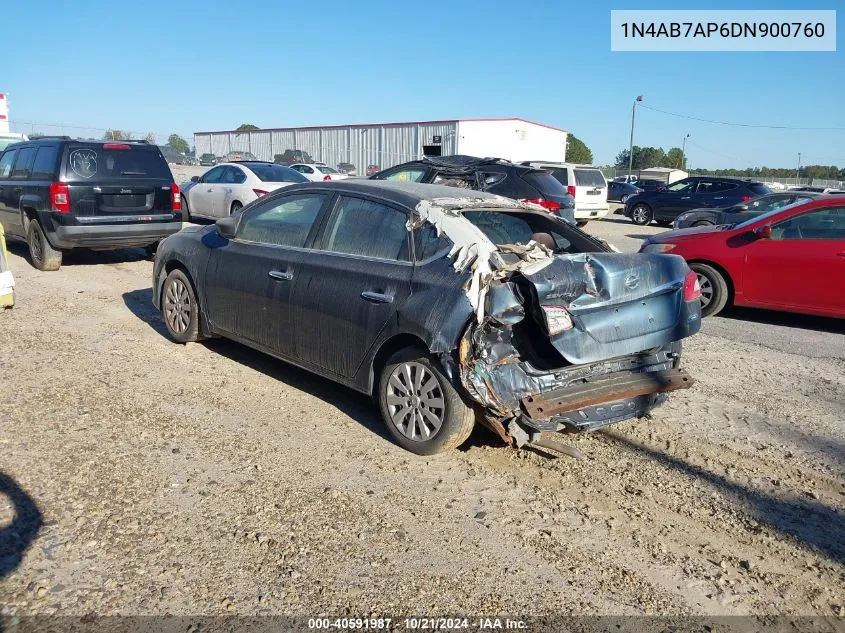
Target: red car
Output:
{"points": [[790, 259]]}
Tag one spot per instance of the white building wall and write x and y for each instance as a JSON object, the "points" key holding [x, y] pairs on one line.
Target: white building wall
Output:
{"points": [[511, 140]]}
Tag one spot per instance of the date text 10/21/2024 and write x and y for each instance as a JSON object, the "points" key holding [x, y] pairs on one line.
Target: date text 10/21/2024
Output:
{"points": [[418, 624]]}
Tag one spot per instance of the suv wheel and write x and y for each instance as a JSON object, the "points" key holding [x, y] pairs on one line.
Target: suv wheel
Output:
{"points": [[179, 308], [41, 253], [236, 206], [420, 407], [641, 214]]}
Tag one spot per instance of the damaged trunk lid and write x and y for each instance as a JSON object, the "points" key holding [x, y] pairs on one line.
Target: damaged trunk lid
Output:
{"points": [[597, 306]]}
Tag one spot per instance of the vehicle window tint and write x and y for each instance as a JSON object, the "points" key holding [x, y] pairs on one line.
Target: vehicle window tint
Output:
{"points": [[427, 243], [769, 204], [407, 175], [327, 170], [493, 178], [682, 186], [546, 184], [233, 176], [589, 178], [364, 227], [45, 163], [212, 176], [821, 224], [21, 168], [86, 161], [6, 162], [277, 173], [282, 222], [759, 189], [562, 175]]}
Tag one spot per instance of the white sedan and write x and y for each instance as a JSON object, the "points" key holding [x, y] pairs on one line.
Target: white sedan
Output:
{"points": [[225, 188], [318, 172]]}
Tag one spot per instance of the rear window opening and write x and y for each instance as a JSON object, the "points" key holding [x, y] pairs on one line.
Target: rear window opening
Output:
{"points": [[96, 162], [276, 173], [759, 188], [589, 178]]}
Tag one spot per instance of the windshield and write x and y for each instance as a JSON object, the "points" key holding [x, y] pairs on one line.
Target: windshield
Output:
{"points": [[277, 173], [768, 214]]}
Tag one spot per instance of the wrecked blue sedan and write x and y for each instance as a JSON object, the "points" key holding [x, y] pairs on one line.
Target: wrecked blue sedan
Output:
{"points": [[450, 311]]}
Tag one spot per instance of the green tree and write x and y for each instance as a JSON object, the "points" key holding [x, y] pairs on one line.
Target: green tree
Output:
{"points": [[644, 158], [178, 143], [246, 127], [577, 151], [674, 158]]}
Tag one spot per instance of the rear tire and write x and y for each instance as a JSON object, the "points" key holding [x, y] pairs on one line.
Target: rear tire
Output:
{"points": [[42, 255], [236, 206], [714, 289], [417, 401], [180, 308], [641, 214]]}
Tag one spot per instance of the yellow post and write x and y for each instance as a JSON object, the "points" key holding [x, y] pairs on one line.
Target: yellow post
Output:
{"points": [[7, 281]]}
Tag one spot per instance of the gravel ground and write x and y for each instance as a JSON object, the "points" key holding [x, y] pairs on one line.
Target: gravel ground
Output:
{"points": [[210, 479]]}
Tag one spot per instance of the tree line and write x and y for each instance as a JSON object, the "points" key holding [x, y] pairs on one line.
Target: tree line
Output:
{"points": [[647, 157]]}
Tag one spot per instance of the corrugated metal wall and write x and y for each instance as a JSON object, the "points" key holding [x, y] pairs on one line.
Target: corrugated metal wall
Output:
{"points": [[382, 145]]}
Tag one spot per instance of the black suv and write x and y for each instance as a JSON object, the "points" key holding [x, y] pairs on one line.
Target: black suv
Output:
{"points": [[665, 205], [59, 193], [495, 175]]}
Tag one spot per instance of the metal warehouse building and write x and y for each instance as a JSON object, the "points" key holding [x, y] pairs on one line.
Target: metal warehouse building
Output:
{"points": [[388, 144]]}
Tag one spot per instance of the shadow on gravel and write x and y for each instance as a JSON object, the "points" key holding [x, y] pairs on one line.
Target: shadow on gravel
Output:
{"points": [[140, 303], [85, 257], [17, 536], [785, 319], [808, 521]]}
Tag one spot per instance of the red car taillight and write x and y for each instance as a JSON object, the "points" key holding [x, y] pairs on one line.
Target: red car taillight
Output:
{"points": [[60, 197], [746, 198], [692, 289], [259, 192], [571, 189], [548, 205], [175, 198]]}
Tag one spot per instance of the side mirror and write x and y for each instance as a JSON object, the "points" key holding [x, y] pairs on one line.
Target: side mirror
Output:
{"points": [[228, 227], [763, 232], [195, 178]]}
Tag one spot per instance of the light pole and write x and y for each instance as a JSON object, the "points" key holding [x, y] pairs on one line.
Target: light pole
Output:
{"points": [[631, 145], [684, 153], [798, 171]]}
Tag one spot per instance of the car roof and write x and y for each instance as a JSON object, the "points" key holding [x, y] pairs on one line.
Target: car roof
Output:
{"points": [[409, 194]]}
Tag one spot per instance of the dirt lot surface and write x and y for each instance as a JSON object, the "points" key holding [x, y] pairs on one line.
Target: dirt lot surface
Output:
{"points": [[210, 479]]}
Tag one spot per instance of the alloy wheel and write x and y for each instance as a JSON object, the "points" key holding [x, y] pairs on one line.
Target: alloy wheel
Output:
{"points": [[706, 290], [415, 401], [177, 306], [640, 214]]}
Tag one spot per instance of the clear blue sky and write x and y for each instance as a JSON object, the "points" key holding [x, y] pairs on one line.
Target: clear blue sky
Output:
{"points": [[189, 66]]}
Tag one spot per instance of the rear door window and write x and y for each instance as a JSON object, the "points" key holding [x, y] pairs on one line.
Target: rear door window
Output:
{"points": [[45, 163], [282, 222], [368, 228], [233, 176], [589, 178], [819, 224], [427, 243], [212, 176], [6, 162], [23, 162], [562, 175]]}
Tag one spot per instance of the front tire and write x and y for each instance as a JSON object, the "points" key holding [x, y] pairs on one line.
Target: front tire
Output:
{"points": [[714, 289], [420, 407], [180, 308], [641, 214], [42, 255]]}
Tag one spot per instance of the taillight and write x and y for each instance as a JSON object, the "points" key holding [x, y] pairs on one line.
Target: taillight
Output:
{"points": [[692, 288], [557, 319], [746, 198], [327, 177], [548, 205], [259, 192], [60, 197], [571, 189], [176, 198], [115, 146]]}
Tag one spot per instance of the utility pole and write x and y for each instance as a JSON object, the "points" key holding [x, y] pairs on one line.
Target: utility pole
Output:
{"points": [[631, 145], [684, 153], [798, 171]]}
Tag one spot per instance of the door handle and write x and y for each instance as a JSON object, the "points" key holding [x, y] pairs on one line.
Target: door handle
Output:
{"points": [[280, 276], [375, 297]]}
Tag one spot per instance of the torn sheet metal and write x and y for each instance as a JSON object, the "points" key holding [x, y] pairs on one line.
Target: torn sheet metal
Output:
{"points": [[7, 280]]}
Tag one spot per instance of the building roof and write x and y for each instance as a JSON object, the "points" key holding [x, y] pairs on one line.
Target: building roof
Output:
{"points": [[331, 127]]}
